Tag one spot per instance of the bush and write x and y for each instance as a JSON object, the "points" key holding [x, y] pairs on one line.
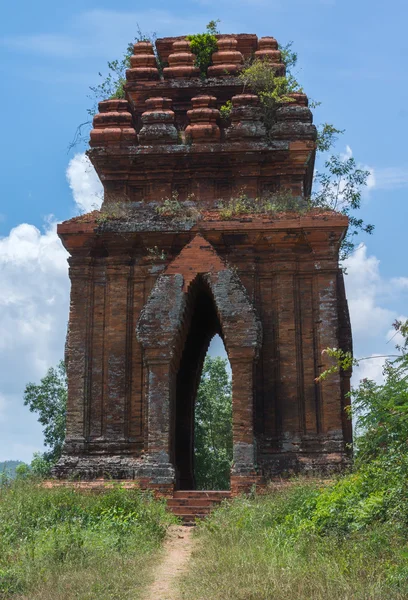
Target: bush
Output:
{"points": [[203, 45], [273, 90]]}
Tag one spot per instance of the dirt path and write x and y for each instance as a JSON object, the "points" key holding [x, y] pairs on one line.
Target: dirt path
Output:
{"points": [[176, 553]]}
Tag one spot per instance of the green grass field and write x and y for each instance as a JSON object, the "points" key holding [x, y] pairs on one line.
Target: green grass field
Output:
{"points": [[62, 544], [269, 547]]}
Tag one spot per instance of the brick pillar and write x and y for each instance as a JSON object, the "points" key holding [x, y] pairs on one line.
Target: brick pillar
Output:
{"points": [[117, 275], [288, 367], [327, 329], [242, 365], [158, 466], [77, 351]]}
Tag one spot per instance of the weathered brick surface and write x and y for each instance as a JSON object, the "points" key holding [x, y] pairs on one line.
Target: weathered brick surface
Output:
{"points": [[149, 292]]}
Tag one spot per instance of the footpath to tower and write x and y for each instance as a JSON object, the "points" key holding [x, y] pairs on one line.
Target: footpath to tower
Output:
{"points": [[176, 554]]}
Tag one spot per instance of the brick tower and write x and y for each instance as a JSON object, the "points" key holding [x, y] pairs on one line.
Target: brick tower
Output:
{"points": [[161, 269]]}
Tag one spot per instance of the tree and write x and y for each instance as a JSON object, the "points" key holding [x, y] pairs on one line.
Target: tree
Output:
{"points": [[49, 400], [381, 411], [213, 426]]}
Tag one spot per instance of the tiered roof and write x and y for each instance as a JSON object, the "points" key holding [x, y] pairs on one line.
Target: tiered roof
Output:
{"points": [[167, 135]]}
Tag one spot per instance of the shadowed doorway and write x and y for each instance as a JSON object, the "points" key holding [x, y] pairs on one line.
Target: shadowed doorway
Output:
{"points": [[203, 411]]}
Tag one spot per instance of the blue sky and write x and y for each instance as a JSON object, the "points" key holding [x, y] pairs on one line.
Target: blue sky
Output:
{"points": [[352, 58]]}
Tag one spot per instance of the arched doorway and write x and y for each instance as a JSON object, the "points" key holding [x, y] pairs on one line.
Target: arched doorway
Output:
{"points": [[204, 324], [197, 297]]}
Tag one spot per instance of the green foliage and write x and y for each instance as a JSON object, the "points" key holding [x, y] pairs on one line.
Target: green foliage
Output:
{"points": [[8, 467], [381, 411], [212, 27], [173, 208], [203, 45], [342, 360], [288, 56], [49, 400], [41, 465], [327, 136], [340, 183], [225, 110], [22, 471], [112, 85], [270, 204], [339, 188], [346, 538], [273, 90], [378, 489], [265, 547], [213, 426], [49, 534]]}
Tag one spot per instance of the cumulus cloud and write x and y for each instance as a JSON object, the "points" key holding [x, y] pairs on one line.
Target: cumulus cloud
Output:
{"points": [[400, 282], [381, 178], [84, 183], [34, 292], [34, 296], [372, 368], [371, 298], [365, 288]]}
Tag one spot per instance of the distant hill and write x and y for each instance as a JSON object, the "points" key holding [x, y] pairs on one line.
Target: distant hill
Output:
{"points": [[10, 466]]}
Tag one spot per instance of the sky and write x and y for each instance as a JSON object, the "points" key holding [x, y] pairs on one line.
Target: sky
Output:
{"points": [[352, 58]]}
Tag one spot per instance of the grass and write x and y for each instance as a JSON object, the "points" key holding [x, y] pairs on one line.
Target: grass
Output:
{"points": [[64, 544], [264, 547]]}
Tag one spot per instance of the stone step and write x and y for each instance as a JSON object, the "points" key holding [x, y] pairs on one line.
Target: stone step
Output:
{"points": [[190, 505], [211, 494], [190, 518], [190, 510], [192, 502]]}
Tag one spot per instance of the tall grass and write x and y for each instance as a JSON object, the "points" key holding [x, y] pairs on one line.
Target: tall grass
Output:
{"points": [[264, 548], [62, 543]]}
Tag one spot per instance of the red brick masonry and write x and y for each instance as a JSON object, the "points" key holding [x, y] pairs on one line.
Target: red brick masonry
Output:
{"points": [[150, 290]]}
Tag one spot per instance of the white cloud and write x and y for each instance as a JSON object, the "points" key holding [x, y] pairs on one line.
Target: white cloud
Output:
{"points": [[33, 301], [364, 290], [371, 299], [84, 183], [394, 336], [382, 178], [372, 368], [391, 178], [103, 32], [34, 296], [34, 292], [400, 282]]}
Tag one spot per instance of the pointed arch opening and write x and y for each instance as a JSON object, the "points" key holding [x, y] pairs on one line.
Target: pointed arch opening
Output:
{"points": [[203, 442], [185, 309]]}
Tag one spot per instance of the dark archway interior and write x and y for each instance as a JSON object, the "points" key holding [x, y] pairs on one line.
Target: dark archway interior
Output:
{"points": [[204, 324]]}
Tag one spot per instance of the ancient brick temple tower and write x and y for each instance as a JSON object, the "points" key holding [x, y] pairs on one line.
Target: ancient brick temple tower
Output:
{"points": [[153, 280]]}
